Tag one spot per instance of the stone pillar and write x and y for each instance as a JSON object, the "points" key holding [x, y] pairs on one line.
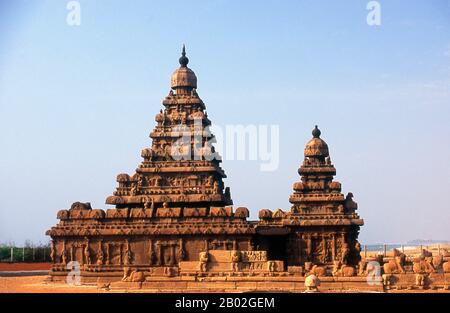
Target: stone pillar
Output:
{"points": [[150, 252], [181, 252], [308, 246], [72, 252], [64, 253], [324, 245], [158, 253], [100, 256], [108, 258], [87, 252], [120, 254], [127, 260], [82, 254], [333, 246], [172, 254], [300, 247]]}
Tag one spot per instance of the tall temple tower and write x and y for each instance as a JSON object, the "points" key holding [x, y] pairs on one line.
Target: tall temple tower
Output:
{"points": [[172, 209], [181, 168]]}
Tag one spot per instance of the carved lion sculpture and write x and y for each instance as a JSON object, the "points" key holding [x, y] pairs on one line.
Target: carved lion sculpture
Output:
{"points": [[437, 261], [421, 266], [395, 266], [362, 267], [392, 267], [319, 271], [348, 271], [446, 267], [133, 276], [340, 269]]}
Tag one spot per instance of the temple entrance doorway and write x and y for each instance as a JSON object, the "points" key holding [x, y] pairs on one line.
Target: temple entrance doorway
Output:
{"points": [[275, 245]]}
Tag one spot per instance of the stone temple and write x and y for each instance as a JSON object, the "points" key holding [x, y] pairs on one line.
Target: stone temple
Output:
{"points": [[174, 226]]}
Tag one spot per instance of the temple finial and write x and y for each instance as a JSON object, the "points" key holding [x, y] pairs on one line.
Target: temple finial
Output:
{"points": [[316, 132], [183, 59]]}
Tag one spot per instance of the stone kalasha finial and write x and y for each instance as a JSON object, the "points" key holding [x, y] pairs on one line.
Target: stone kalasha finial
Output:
{"points": [[316, 147], [183, 79], [316, 132], [183, 59]]}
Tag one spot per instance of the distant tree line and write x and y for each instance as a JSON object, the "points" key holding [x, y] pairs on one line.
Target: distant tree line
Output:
{"points": [[28, 252]]}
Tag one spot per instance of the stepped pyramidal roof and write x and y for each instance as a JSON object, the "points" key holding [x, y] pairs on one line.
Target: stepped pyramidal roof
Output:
{"points": [[173, 224], [317, 195], [181, 167]]}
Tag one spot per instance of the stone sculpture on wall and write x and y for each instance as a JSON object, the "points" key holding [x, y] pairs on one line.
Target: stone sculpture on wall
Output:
{"points": [[203, 262], [322, 225], [173, 216]]}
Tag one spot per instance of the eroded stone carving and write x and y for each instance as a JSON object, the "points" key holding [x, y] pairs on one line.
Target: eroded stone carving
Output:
{"points": [[203, 262], [235, 259], [396, 265], [133, 275], [174, 212]]}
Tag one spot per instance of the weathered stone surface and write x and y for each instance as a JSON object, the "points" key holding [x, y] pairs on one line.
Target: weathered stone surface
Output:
{"points": [[173, 226], [322, 226]]}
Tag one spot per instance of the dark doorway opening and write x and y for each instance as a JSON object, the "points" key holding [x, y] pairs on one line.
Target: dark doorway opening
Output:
{"points": [[275, 247]]}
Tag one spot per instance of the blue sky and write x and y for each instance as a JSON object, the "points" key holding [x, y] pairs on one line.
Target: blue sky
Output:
{"points": [[77, 102]]}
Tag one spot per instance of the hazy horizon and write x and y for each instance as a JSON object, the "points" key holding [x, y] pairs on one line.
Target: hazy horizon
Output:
{"points": [[78, 102]]}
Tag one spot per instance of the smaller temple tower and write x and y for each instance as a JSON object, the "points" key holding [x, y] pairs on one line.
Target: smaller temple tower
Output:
{"points": [[322, 227]]}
